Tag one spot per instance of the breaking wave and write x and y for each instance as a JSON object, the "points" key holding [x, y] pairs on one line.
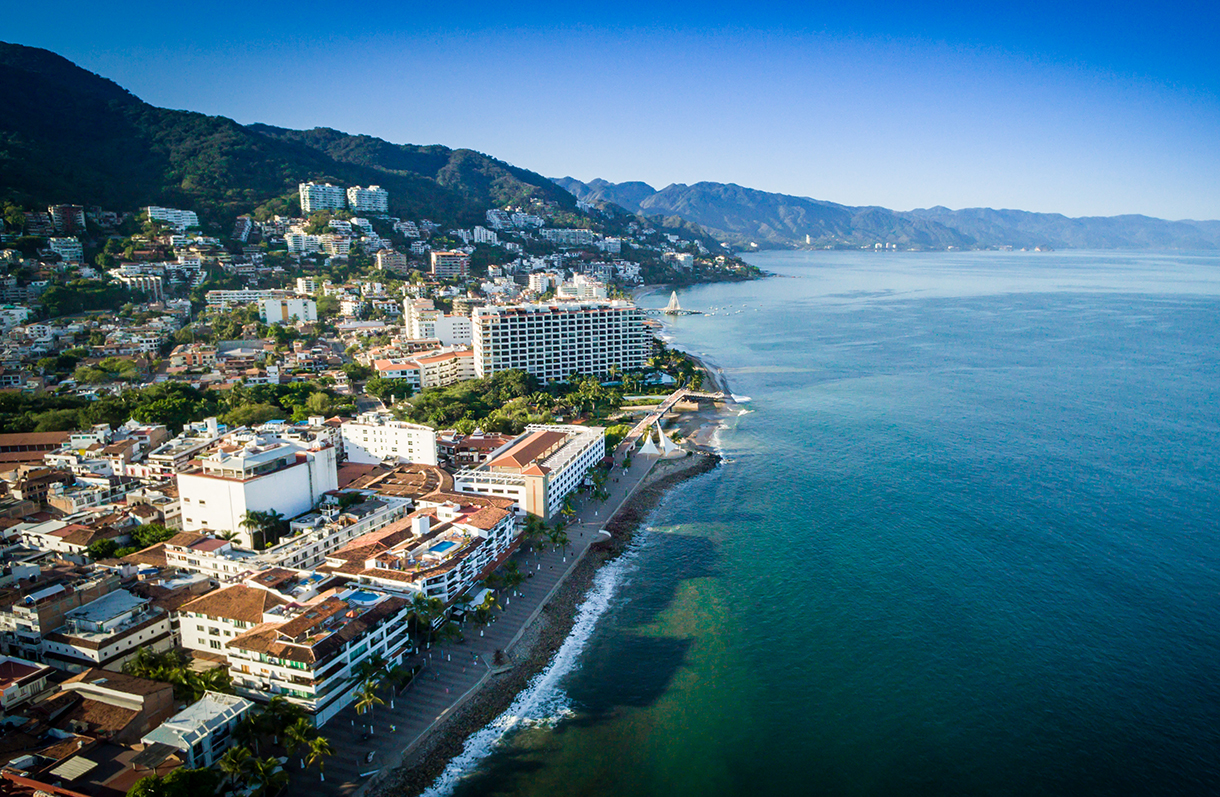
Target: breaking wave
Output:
{"points": [[543, 702]]}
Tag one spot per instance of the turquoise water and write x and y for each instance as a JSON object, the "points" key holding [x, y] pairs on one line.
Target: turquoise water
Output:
{"points": [[965, 542]]}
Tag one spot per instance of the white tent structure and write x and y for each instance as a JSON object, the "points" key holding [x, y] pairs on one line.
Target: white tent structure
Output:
{"points": [[649, 447], [667, 446]]}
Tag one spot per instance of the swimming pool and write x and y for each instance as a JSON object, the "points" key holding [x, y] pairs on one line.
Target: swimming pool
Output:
{"points": [[441, 547]]}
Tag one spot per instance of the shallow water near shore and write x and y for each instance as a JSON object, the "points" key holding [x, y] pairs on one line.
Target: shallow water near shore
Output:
{"points": [[965, 541]]}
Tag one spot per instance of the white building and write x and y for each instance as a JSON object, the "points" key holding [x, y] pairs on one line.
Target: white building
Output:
{"points": [[552, 341], [300, 243], [308, 286], [321, 196], [373, 199], [538, 469], [441, 550], [287, 311], [543, 281], [569, 237], [202, 731], [262, 475], [68, 249], [376, 437], [178, 219], [581, 288], [224, 298], [310, 654], [422, 321], [335, 245], [482, 235], [107, 632]]}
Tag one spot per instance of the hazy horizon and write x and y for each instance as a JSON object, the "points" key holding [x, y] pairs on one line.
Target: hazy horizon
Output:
{"points": [[1036, 108]]}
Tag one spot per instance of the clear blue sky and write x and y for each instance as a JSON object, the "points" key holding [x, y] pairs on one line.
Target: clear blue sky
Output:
{"points": [[1084, 109]]}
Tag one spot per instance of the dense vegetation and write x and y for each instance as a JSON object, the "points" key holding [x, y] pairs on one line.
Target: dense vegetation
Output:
{"points": [[172, 403], [68, 135]]}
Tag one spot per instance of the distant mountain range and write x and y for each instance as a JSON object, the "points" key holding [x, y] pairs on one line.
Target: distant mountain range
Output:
{"points": [[744, 215], [68, 135]]}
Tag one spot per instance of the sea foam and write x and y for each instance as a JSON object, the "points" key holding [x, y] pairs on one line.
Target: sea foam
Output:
{"points": [[543, 701]]}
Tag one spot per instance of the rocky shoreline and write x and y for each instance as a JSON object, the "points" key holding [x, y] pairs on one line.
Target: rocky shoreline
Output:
{"points": [[542, 638]]}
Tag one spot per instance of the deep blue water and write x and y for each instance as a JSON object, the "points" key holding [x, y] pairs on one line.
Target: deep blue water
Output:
{"points": [[966, 542]]}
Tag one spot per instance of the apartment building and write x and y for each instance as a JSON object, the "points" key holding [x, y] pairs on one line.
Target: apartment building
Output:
{"points": [[105, 633], [308, 286], [552, 341], [376, 437], [287, 311], [68, 219], [68, 249], [433, 369], [538, 469], [423, 321], [260, 474], [389, 259], [321, 196], [310, 653], [180, 220], [42, 605], [450, 265], [373, 199], [440, 550], [569, 237], [222, 299], [202, 731]]}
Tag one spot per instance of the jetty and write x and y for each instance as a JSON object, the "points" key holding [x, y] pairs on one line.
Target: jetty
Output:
{"points": [[673, 308]]}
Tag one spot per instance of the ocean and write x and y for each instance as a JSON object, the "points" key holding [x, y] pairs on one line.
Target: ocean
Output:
{"points": [[965, 541]]}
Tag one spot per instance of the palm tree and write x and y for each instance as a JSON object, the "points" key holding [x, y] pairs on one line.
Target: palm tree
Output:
{"points": [[269, 775], [217, 679], [253, 522], [397, 677], [298, 735], [275, 523], [235, 764], [247, 731], [426, 610], [319, 747], [278, 714], [512, 575], [372, 668], [482, 612], [367, 698]]}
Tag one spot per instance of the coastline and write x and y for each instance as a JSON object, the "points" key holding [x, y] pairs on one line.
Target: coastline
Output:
{"points": [[542, 638]]}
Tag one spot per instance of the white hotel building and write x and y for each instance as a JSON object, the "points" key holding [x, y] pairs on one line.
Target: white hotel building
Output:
{"points": [[538, 469], [373, 199], [321, 196], [376, 437], [552, 341], [262, 474]]}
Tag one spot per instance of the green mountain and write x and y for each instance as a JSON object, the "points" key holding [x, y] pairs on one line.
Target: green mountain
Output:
{"points": [[68, 135], [744, 215]]}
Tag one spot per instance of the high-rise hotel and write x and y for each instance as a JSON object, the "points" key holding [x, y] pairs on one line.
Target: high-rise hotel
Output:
{"points": [[552, 341]]}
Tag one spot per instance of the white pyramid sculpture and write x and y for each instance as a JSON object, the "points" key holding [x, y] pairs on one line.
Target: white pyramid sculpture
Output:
{"points": [[649, 446], [667, 446]]}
